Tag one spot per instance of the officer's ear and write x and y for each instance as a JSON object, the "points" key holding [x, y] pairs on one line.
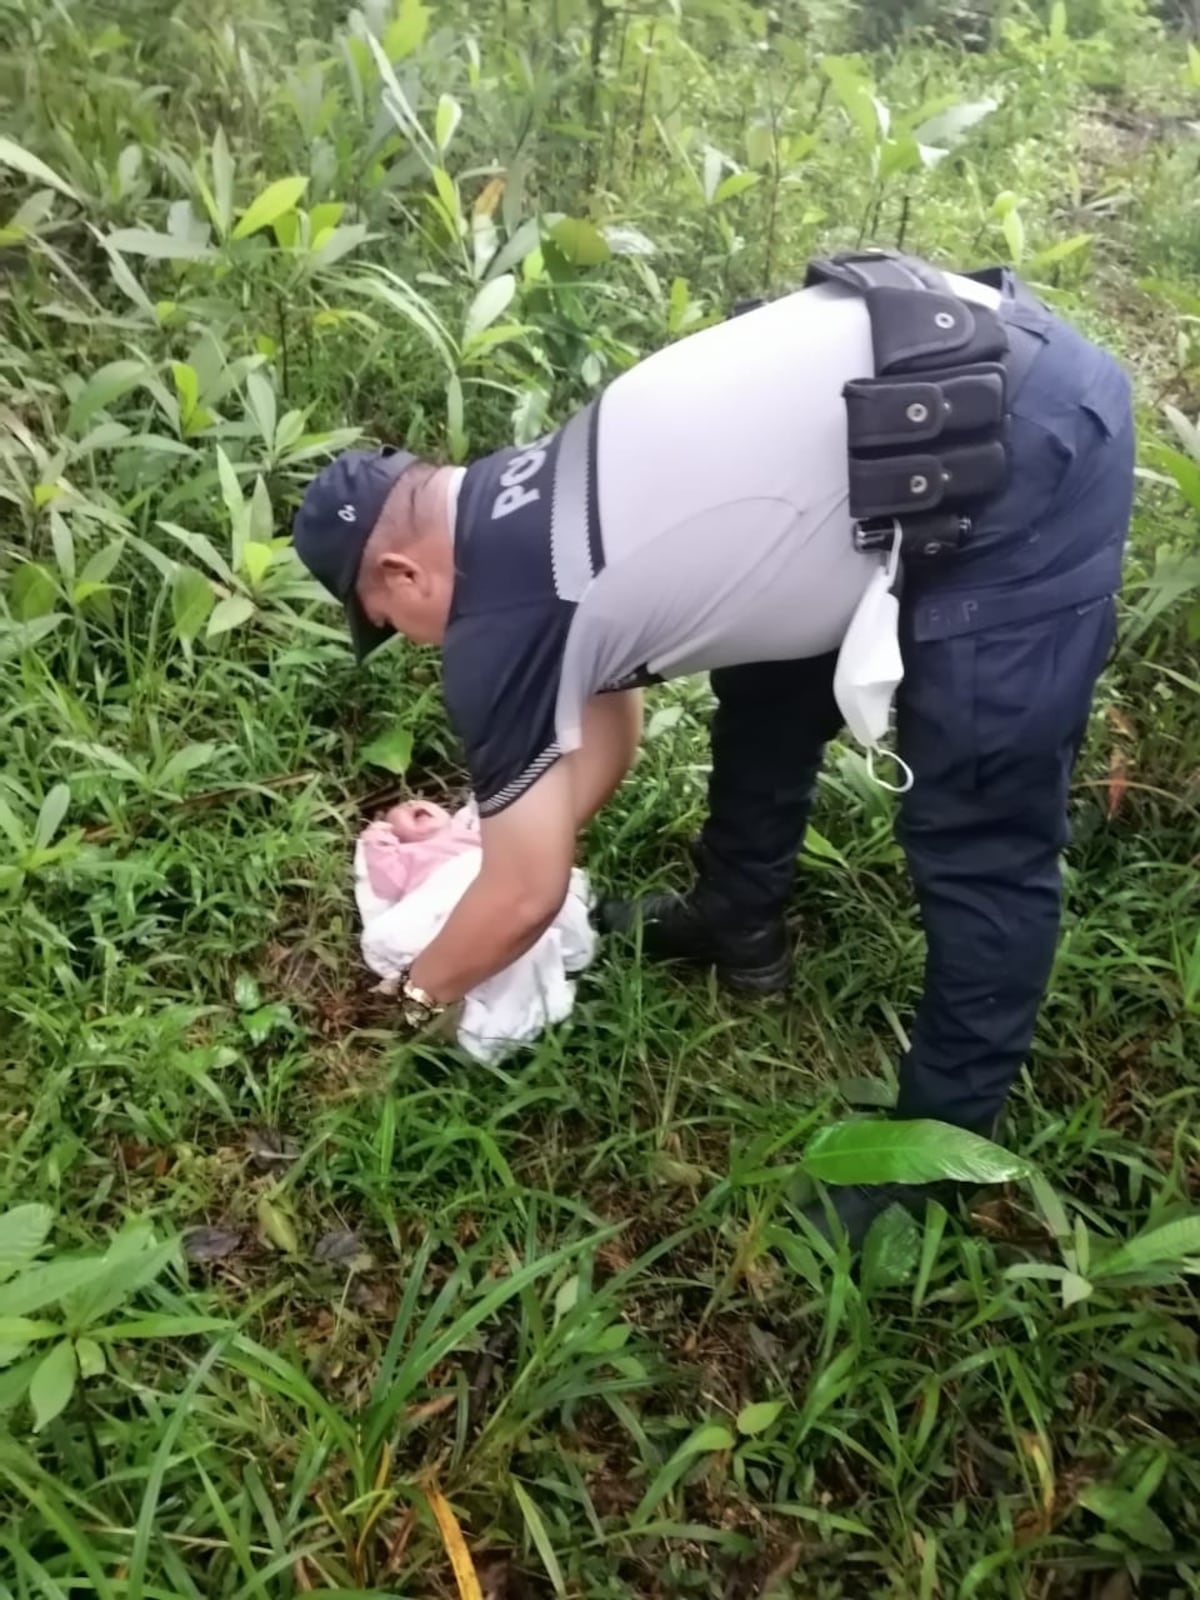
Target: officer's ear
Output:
{"points": [[397, 563], [402, 573]]}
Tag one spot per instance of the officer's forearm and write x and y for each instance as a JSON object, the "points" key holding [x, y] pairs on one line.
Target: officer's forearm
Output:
{"points": [[488, 929]]}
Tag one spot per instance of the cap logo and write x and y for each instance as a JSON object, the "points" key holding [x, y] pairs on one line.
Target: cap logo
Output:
{"points": [[347, 513]]}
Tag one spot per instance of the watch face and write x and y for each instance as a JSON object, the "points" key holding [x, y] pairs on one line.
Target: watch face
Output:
{"points": [[417, 1013]]}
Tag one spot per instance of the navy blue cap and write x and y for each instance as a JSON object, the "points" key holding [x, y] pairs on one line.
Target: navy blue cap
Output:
{"points": [[340, 508]]}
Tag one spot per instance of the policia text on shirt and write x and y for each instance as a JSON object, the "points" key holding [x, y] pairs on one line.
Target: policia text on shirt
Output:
{"points": [[896, 487]]}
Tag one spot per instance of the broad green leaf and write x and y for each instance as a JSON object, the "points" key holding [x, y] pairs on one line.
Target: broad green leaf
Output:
{"points": [[90, 1358], [706, 1440], [396, 103], [222, 171], [400, 296], [18, 159], [891, 1249], [448, 195], [449, 115], [522, 243], [200, 182], [529, 415], [855, 95], [187, 387], [907, 1152], [492, 301], [228, 614], [52, 1384], [23, 1330], [1075, 1289], [1014, 235], [818, 845], [49, 820], [262, 517], [36, 209], [275, 200], [11, 826], [1187, 432], [948, 127], [541, 1537], [1127, 1512], [247, 995], [1062, 250], [580, 241], [125, 280], [736, 183], [492, 338], [23, 1232], [158, 246], [714, 165], [610, 1340], [760, 145], [276, 1226], [260, 397], [391, 750], [325, 216], [134, 1259], [27, 635], [112, 759], [407, 30], [192, 599], [757, 1418], [287, 230], [32, 591], [899, 155], [289, 431], [14, 1383], [160, 1325], [256, 558], [189, 759], [235, 504], [202, 547], [334, 243], [62, 542], [101, 563], [1173, 1243], [101, 389]]}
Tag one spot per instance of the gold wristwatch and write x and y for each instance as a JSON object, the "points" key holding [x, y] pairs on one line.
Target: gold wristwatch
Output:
{"points": [[416, 1007]]}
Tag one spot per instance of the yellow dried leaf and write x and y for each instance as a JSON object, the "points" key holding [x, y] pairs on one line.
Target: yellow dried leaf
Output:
{"points": [[465, 1575], [489, 197]]}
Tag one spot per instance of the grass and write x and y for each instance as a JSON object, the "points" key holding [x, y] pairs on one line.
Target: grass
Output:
{"points": [[560, 1314]]}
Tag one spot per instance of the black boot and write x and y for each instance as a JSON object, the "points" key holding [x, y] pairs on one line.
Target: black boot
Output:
{"points": [[751, 956], [856, 1206]]}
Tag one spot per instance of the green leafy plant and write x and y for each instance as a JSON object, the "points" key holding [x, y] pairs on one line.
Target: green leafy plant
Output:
{"points": [[74, 1298]]}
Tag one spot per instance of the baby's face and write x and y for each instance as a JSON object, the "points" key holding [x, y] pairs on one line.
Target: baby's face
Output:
{"points": [[416, 820]]}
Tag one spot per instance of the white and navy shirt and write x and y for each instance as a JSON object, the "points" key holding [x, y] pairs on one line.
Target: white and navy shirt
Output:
{"points": [[695, 516]]}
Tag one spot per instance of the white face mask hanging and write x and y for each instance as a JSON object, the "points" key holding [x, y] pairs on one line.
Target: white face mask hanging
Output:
{"points": [[870, 668]]}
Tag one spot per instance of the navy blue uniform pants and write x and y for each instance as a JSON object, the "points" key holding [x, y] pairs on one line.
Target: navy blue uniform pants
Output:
{"points": [[1002, 645]]}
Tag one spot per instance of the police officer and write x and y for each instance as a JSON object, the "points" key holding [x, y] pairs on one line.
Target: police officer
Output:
{"points": [[893, 470]]}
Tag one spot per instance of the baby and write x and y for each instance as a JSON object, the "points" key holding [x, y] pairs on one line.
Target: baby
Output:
{"points": [[402, 848]]}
